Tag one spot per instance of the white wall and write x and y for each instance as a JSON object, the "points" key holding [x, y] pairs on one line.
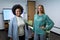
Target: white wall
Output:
{"points": [[9, 4], [52, 9], [1, 22]]}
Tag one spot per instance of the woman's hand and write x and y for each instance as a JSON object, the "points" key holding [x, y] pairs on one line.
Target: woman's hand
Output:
{"points": [[10, 39], [42, 27], [32, 35]]}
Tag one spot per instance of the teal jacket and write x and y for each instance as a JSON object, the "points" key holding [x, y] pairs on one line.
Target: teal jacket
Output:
{"points": [[42, 20]]}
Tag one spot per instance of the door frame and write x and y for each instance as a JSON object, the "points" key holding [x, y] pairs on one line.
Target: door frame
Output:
{"points": [[28, 8]]}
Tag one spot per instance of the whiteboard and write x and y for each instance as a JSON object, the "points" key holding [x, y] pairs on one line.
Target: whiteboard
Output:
{"points": [[7, 14]]}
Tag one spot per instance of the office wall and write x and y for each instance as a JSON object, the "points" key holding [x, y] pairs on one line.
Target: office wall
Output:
{"points": [[9, 4], [1, 22]]}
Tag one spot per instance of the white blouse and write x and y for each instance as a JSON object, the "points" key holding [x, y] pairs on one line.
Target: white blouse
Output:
{"points": [[20, 23]]}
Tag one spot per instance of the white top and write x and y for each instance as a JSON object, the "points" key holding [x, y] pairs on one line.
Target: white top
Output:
{"points": [[20, 23]]}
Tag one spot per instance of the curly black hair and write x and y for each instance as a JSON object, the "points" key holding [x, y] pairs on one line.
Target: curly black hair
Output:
{"points": [[17, 6]]}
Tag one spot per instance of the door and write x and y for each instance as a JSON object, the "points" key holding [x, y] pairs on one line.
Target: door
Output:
{"points": [[31, 10]]}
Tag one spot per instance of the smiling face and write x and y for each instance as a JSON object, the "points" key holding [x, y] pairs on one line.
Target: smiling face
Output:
{"points": [[40, 9], [18, 12]]}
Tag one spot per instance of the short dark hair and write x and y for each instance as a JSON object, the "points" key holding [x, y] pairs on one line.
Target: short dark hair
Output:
{"points": [[17, 6]]}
